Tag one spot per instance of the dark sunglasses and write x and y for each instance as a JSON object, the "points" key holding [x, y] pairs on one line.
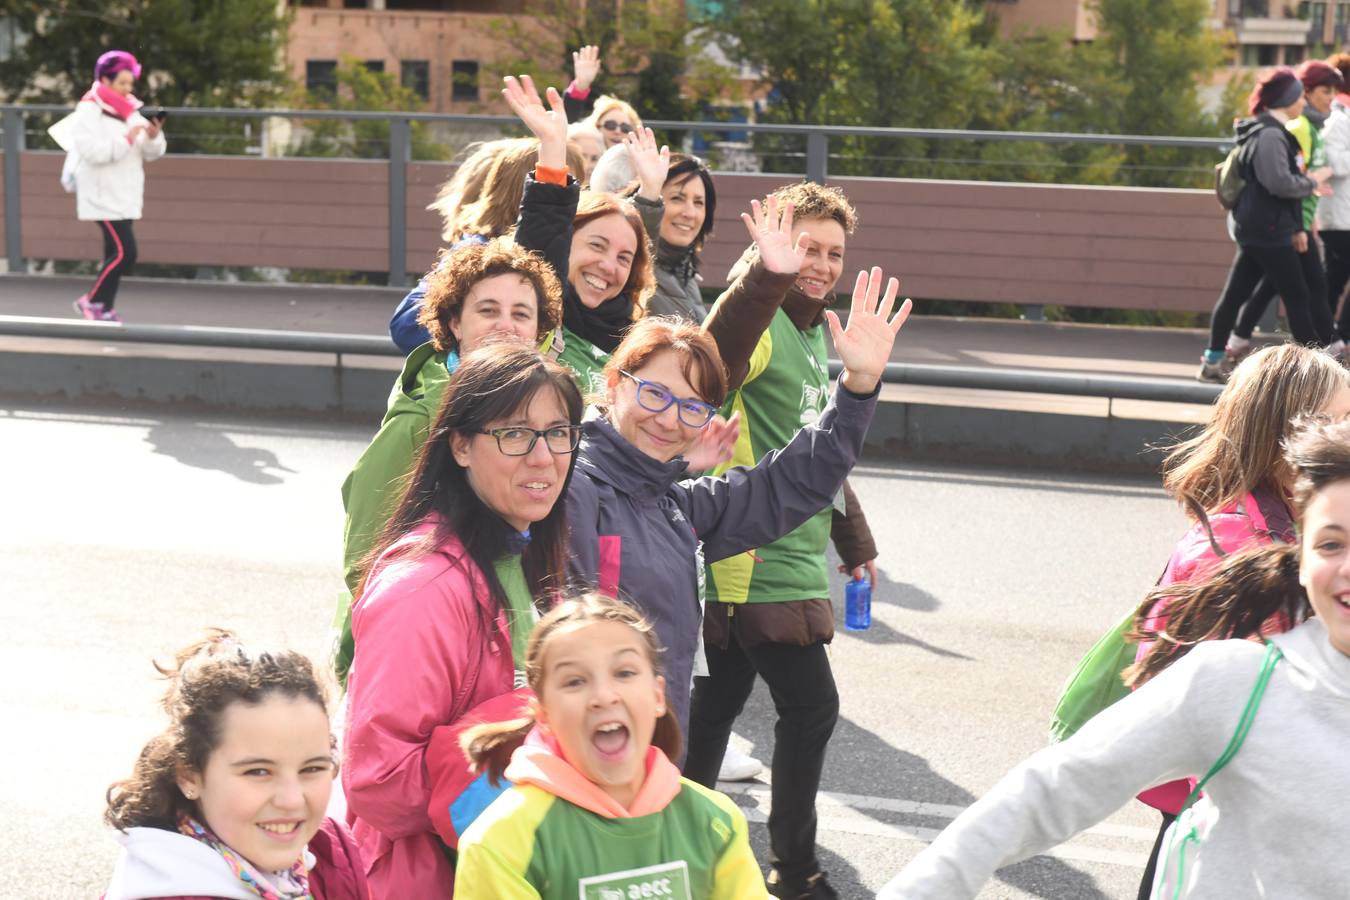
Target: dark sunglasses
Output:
{"points": [[611, 125]]}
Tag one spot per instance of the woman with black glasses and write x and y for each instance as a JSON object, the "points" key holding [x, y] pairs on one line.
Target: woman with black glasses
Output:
{"points": [[641, 528], [474, 554]]}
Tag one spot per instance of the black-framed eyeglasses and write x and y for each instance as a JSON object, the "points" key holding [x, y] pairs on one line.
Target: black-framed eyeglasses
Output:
{"points": [[517, 440], [612, 125], [656, 398]]}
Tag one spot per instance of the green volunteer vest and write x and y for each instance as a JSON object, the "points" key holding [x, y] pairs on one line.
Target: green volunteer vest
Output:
{"points": [[787, 387]]}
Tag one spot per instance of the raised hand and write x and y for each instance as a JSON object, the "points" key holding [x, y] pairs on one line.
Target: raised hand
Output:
{"points": [[716, 445], [864, 347], [772, 234], [585, 66], [650, 163], [549, 124]]}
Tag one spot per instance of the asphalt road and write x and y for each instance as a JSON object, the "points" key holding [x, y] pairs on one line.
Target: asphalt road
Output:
{"points": [[120, 535]]}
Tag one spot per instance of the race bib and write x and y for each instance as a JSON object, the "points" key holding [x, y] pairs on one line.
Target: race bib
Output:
{"points": [[668, 881]]}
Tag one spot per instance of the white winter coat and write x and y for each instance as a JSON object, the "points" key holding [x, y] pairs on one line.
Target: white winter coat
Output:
{"points": [[109, 171], [1333, 213]]}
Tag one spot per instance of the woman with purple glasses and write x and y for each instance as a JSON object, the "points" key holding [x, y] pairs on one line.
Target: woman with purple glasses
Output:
{"points": [[641, 525], [110, 142]]}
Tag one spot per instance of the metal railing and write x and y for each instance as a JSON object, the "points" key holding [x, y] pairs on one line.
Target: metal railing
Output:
{"points": [[1160, 390], [817, 137]]}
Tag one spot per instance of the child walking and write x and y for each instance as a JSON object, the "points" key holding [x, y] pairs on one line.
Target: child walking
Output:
{"points": [[1271, 824], [597, 809], [229, 800]]}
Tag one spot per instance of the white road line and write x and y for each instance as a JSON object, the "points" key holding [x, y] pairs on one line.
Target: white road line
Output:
{"points": [[843, 813]]}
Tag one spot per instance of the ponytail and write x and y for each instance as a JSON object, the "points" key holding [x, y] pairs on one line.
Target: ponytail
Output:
{"points": [[1251, 588]]}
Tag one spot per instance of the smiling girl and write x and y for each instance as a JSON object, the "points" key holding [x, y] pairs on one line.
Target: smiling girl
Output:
{"points": [[597, 809], [1276, 826], [229, 801], [595, 242], [475, 551]]}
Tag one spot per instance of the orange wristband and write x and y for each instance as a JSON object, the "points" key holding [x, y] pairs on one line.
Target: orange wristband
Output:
{"points": [[550, 175]]}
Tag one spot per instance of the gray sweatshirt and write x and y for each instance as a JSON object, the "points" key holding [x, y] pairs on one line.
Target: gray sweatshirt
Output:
{"points": [[1282, 799]]}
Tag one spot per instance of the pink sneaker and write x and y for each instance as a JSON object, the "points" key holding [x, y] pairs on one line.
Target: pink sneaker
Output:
{"points": [[88, 310], [108, 315]]}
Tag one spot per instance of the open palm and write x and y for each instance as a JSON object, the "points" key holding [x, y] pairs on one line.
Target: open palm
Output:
{"points": [[864, 347], [548, 123], [772, 234]]}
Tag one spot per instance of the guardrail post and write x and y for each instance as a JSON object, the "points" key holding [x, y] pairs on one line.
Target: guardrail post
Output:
{"points": [[817, 156], [400, 153], [13, 146]]}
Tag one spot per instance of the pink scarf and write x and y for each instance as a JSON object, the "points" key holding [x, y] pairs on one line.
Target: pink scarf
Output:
{"points": [[111, 102]]}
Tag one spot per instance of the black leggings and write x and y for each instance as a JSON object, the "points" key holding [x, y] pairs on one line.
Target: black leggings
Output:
{"points": [[1314, 276], [119, 255], [1338, 275], [1146, 886], [802, 686], [1284, 267]]}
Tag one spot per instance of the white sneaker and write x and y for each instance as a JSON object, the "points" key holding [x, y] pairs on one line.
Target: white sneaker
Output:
{"points": [[736, 766]]}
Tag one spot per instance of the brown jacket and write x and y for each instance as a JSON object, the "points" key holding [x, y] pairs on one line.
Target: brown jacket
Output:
{"points": [[737, 321]]}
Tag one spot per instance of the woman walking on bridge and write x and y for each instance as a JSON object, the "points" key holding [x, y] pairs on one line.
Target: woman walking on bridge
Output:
{"points": [[1268, 221], [111, 142]]}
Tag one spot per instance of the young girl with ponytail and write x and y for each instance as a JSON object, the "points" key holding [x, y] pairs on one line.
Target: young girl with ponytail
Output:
{"points": [[1274, 826], [229, 801], [596, 807], [1234, 485]]}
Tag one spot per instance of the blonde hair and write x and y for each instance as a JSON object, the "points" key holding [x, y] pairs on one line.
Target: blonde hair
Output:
{"points": [[1240, 448], [495, 210], [466, 185], [489, 746], [606, 104]]}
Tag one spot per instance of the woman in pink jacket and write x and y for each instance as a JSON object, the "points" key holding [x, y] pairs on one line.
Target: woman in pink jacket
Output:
{"points": [[450, 596], [1234, 484]]}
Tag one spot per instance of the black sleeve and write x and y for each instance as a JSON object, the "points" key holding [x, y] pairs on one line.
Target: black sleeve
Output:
{"points": [[578, 109], [545, 224]]}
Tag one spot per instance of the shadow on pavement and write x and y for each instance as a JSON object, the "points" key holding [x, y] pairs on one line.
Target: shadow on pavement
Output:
{"points": [[204, 446], [862, 762]]}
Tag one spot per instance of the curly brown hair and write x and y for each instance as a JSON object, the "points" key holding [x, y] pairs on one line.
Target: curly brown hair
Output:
{"points": [[458, 270], [205, 679], [816, 201]]}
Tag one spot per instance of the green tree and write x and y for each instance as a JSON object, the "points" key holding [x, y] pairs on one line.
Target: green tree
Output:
{"points": [[192, 52], [1159, 50], [651, 52], [358, 88]]}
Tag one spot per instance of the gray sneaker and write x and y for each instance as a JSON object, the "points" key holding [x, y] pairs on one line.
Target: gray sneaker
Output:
{"points": [[1213, 373]]}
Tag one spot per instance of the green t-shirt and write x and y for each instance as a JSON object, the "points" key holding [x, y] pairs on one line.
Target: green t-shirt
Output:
{"points": [[520, 609], [530, 844], [587, 361], [787, 387], [1315, 156]]}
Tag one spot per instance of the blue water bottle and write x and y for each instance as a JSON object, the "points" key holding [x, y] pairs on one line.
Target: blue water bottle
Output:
{"points": [[858, 605]]}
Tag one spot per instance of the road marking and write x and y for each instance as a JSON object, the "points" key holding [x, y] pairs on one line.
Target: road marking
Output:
{"points": [[845, 814]]}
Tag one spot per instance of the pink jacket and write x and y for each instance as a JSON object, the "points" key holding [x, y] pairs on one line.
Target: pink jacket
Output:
{"points": [[429, 648], [1236, 528]]}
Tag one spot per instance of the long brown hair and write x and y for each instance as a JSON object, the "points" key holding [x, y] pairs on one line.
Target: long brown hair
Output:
{"points": [[491, 383], [1239, 449], [205, 679], [489, 746], [1252, 587]]}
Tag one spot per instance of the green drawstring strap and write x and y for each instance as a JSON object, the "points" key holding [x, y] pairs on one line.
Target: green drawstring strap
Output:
{"points": [[1273, 656]]}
